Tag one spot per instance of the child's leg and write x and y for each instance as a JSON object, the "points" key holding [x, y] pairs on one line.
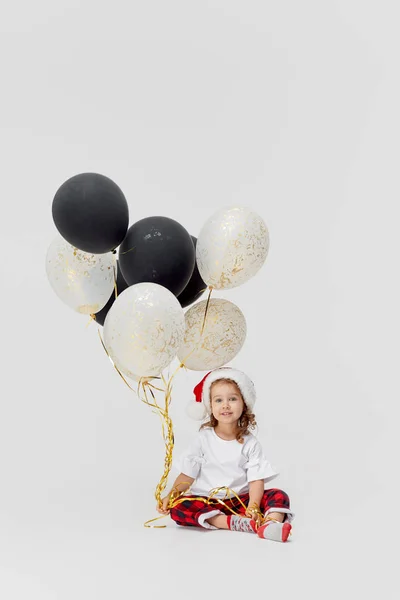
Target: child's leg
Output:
{"points": [[219, 521], [275, 505], [195, 513], [276, 516], [234, 522]]}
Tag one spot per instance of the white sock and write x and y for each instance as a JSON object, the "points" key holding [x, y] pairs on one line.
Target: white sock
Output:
{"points": [[272, 530]]}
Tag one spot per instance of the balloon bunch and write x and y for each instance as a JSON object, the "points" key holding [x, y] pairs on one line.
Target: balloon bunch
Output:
{"points": [[136, 281]]}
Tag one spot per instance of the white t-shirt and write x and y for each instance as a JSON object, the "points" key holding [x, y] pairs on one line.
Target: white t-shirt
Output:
{"points": [[214, 462]]}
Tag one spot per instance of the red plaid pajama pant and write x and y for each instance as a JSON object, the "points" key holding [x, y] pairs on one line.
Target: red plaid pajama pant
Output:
{"points": [[188, 512]]}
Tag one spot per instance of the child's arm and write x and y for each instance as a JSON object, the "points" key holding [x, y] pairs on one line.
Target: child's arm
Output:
{"points": [[181, 484], [256, 492]]}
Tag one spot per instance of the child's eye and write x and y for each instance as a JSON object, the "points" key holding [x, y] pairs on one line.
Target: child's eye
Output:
{"points": [[232, 398]]}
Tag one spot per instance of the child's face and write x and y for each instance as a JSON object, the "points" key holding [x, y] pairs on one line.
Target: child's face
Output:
{"points": [[226, 402]]}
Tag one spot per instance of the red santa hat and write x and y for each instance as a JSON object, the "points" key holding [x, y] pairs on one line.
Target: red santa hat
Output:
{"points": [[201, 407]]}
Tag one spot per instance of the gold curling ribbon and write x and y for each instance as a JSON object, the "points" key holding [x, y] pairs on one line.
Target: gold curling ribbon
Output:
{"points": [[212, 499], [205, 312], [167, 426], [92, 318], [126, 251]]}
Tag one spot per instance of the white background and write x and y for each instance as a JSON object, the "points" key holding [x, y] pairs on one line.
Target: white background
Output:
{"points": [[291, 108]]}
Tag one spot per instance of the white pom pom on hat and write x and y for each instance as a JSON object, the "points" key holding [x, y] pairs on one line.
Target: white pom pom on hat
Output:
{"points": [[200, 407], [196, 410]]}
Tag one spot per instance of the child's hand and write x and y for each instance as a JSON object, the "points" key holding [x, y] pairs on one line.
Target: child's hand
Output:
{"points": [[255, 514], [163, 509]]}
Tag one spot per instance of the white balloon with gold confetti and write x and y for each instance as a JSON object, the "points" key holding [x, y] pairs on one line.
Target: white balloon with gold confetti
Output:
{"points": [[232, 246], [144, 329], [219, 341], [81, 280]]}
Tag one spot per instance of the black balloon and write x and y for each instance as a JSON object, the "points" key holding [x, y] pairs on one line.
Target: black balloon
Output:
{"points": [[121, 286], [195, 287], [91, 213], [159, 250]]}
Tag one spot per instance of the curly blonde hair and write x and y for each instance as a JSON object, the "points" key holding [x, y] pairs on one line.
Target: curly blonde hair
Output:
{"points": [[247, 419]]}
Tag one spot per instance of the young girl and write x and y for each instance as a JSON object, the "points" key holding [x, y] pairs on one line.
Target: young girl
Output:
{"points": [[225, 453]]}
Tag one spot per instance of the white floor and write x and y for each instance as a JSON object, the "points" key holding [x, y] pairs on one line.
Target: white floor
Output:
{"points": [[73, 556]]}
